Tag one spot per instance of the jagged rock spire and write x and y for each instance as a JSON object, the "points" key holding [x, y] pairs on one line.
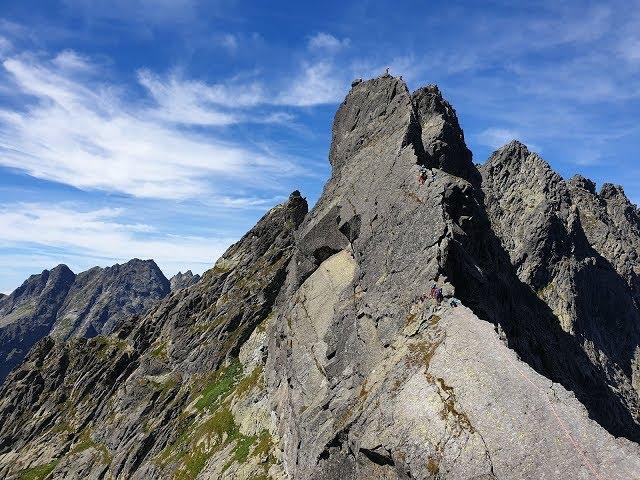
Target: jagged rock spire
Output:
{"points": [[383, 108]]}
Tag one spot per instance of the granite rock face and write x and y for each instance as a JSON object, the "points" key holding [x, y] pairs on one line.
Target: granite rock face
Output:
{"points": [[312, 350], [577, 250], [350, 364], [65, 305]]}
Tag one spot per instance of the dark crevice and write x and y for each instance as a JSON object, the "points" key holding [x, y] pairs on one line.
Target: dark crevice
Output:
{"points": [[379, 458]]}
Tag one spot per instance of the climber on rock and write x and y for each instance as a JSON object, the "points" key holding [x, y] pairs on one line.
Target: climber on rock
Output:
{"points": [[422, 176], [436, 294]]}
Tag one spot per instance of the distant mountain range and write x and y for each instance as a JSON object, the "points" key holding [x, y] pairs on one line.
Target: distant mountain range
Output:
{"points": [[59, 303]]}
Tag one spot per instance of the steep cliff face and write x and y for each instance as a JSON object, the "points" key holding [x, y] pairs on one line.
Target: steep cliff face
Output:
{"points": [[65, 305], [312, 350], [176, 393], [588, 279]]}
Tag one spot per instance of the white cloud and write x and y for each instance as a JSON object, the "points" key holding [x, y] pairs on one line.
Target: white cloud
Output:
{"points": [[497, 137], [327, 42], [229, 41], [193, 102], [82, 133], [5, 46], [317, 83], [100, 237], [71, 61]]}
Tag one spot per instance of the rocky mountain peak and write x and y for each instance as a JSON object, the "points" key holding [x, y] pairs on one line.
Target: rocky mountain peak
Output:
{"points": [[372, 108], [609, 191], [383, 107], [515, 155], [297, 207], [182, 280], [442, 137], [28, 313], [578, 181], [102, 297], [60, 303]]}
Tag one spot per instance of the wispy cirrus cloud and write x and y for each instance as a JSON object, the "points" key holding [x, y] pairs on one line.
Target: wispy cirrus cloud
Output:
{"points": [[321, 77], [316, 83], [80, 131], [497, 137]]}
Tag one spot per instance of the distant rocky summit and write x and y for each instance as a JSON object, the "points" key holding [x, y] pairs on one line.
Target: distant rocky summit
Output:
{"points": [[313, 348], [64, 305], [183, 280]]}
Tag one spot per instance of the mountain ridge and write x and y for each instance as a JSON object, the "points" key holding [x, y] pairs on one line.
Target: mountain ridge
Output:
{"points": [[312, 350], [85, 304]]}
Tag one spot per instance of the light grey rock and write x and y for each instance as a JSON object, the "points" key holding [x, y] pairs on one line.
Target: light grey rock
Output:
{"points": [[353, 393], [176, 392]]}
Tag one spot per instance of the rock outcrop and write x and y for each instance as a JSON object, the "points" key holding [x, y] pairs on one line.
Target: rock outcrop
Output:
{"points": [[312, 350], [582, 267], [183, 280], [351, 363], [65, 305]]}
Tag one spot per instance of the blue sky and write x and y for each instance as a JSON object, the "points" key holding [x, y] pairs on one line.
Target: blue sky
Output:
{"points": [[164, 129]]}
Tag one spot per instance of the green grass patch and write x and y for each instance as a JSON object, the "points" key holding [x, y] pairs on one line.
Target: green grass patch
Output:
{"points": [[39, 472], [247, 383], [160, 352], [107, 344], [215, 428], [220, 385], [85, 442], [198, 443]]}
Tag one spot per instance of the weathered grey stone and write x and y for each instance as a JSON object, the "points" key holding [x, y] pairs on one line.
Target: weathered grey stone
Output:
{"points": [[29, 313], [346, 403], [555, 233], [101, 298], [177, 391]]}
